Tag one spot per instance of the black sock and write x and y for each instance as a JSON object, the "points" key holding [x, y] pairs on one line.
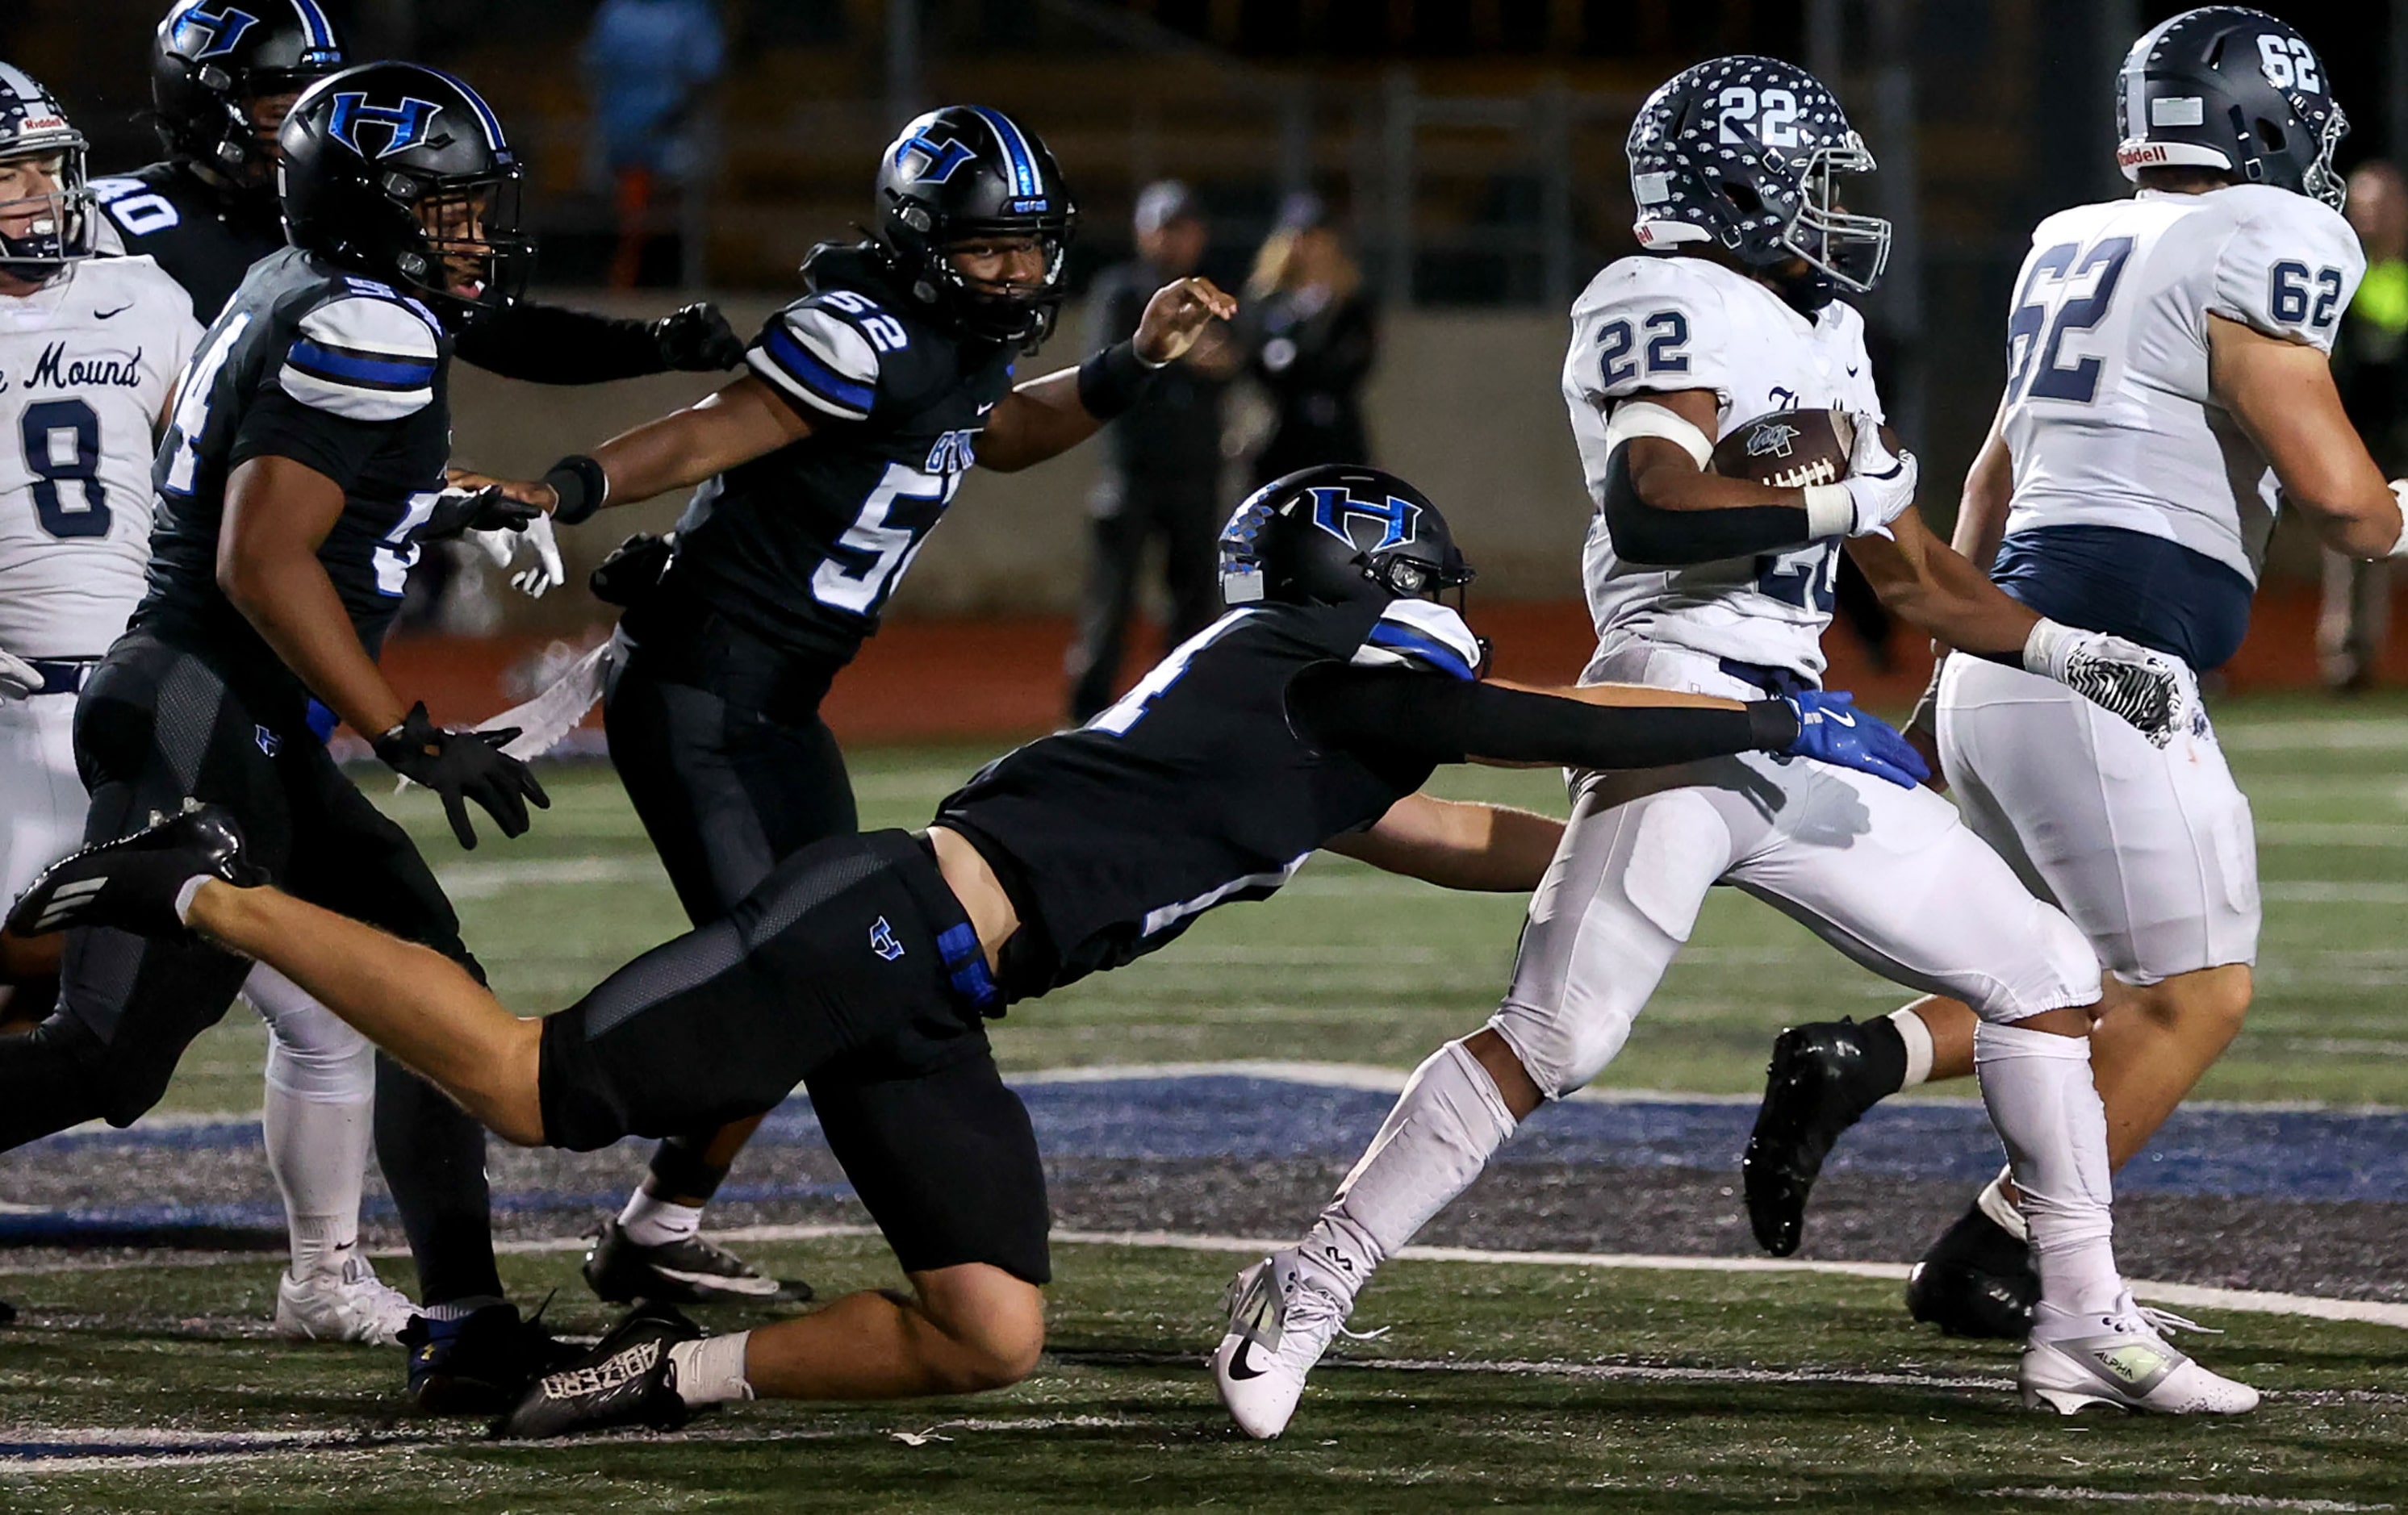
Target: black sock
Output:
{"points": [[1884, 1055], [681, 1173], [433, 1154]]}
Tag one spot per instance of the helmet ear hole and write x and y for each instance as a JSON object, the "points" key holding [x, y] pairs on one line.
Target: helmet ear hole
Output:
{"points": [[2270, 133], [1743, 198]]}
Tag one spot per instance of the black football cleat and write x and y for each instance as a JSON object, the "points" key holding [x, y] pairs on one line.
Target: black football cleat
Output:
{"points": [[1822, 1078], [690, 1271], [480, 1364], [132, 883], [626, 1380], [1976, 1280]]}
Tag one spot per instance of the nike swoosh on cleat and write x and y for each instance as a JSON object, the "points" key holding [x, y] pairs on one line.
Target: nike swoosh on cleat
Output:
{"points": [[104, 315], [718, 1281], [1238, 1369]]}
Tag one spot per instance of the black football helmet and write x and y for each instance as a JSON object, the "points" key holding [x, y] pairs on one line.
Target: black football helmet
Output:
{"points": [[211, 58], [1338, 534], [1747, 152], [59, 221], [2227, 87], [965, 172], [403, 174]]}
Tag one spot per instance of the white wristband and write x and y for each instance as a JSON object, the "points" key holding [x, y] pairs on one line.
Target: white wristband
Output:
{"points": [[1831, 511], [2399, 495], [2042, 646]]}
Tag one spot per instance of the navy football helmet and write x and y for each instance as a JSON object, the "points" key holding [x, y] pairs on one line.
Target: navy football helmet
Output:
{"points": [[965, 172], [58, 222], [211, 58], [2227, 87], [1338, 534], [403, 174], [1747, 152]]}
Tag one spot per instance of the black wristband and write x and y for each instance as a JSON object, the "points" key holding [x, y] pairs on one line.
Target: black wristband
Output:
{"points": [[1113, 380], [582, 488], [1772, 724]]}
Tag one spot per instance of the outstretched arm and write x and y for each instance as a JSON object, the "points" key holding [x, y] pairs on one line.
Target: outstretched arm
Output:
{"points": [[744, 421], [1457, 844], [1049, 416]]}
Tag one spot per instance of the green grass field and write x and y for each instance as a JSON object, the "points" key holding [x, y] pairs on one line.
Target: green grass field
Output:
{"points": [[1529, 1387]]}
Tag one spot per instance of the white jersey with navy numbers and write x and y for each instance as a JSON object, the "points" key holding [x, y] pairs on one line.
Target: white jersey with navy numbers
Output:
{"points": [[86, 365], [1652, 324], [2107, 415]]}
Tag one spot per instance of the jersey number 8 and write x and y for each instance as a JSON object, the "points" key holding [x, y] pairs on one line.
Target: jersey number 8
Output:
{"points": [[42, 429]]}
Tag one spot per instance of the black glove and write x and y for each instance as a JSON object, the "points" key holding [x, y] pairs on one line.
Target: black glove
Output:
{"points": [[463, 765], [697, 339], [458, 510], [633, 569]]}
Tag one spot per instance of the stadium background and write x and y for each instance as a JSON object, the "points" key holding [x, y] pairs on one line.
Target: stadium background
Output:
{"points": [[1472, 149]]}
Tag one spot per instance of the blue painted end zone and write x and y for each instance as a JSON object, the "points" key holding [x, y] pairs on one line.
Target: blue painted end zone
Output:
{"points": [[2293, 1154]]}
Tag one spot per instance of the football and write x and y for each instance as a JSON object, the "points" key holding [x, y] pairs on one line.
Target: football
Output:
{"points": [[1789, 449]]}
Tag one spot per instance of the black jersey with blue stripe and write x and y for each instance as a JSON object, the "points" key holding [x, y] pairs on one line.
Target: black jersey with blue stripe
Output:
{"points": [[343, 375], [1195, 789], [801, 547]]}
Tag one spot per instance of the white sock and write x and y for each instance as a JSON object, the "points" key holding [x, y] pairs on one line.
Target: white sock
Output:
{"points": [[710, 1371], [1917, 1036], [651, 1220], [2038, 1089], [460, 1309], [1994, 1203], [1441, 1133], [318, 1152]]}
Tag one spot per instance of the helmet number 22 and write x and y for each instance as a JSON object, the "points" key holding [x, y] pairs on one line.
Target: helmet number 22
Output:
{"points": [[1778, 126]]}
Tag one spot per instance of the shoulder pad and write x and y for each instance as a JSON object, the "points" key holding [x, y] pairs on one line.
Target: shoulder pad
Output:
{"points": [[2289, 265], [1650, 323], [1425, 634], [363, 356], [822, 352]]}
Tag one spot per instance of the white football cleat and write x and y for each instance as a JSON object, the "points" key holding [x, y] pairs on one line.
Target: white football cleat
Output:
{"points": [[2072, 1362], [352, 1305], [1280, 1320]]}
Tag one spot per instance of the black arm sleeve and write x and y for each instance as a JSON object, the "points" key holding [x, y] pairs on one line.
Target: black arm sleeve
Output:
{"points": [[1384, 715], [1645, 535], [549, 343]]}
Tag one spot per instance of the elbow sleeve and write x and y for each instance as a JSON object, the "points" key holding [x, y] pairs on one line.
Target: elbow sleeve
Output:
{"points": [[1645, 535], [1390, 715]]}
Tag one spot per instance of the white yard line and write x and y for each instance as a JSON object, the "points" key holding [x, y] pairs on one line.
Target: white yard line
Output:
{"points": [[2173, 1497]]}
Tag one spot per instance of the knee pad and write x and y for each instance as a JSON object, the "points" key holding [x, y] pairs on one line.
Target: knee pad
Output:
{"points": [[1563, 1047], [312, 1054], [2061, 970]]}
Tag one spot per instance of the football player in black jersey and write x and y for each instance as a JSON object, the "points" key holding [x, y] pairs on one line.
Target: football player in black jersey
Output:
{"points": [[303, 463], [822, 471], [1308, 716], [221, 79]]}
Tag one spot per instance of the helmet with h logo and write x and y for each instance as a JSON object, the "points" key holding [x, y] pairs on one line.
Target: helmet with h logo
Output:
{"points": [[1338, 534], [211, 58], [960, 174], [402, 173]]}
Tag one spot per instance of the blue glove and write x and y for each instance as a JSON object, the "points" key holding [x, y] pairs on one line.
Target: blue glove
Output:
{"points": [[1830, 729]]}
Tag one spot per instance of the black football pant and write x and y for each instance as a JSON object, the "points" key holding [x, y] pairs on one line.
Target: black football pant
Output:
{"points": [[1186, 514], [154, 726], [718, 740], [853, 969]]}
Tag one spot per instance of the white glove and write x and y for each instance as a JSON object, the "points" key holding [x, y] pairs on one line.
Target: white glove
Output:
{"points": [[2143, 686], [17, 676], [539, 578], [1880, 483]]}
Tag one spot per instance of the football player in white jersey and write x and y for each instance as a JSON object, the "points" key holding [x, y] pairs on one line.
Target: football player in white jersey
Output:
{"points": [[1721, 586], [91, 348], [2167, 390]]}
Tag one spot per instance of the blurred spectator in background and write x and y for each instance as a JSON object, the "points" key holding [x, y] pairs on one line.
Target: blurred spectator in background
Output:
{"points": [[647, 63], [2367, 359], [1313, 339], [1161, 475]]}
